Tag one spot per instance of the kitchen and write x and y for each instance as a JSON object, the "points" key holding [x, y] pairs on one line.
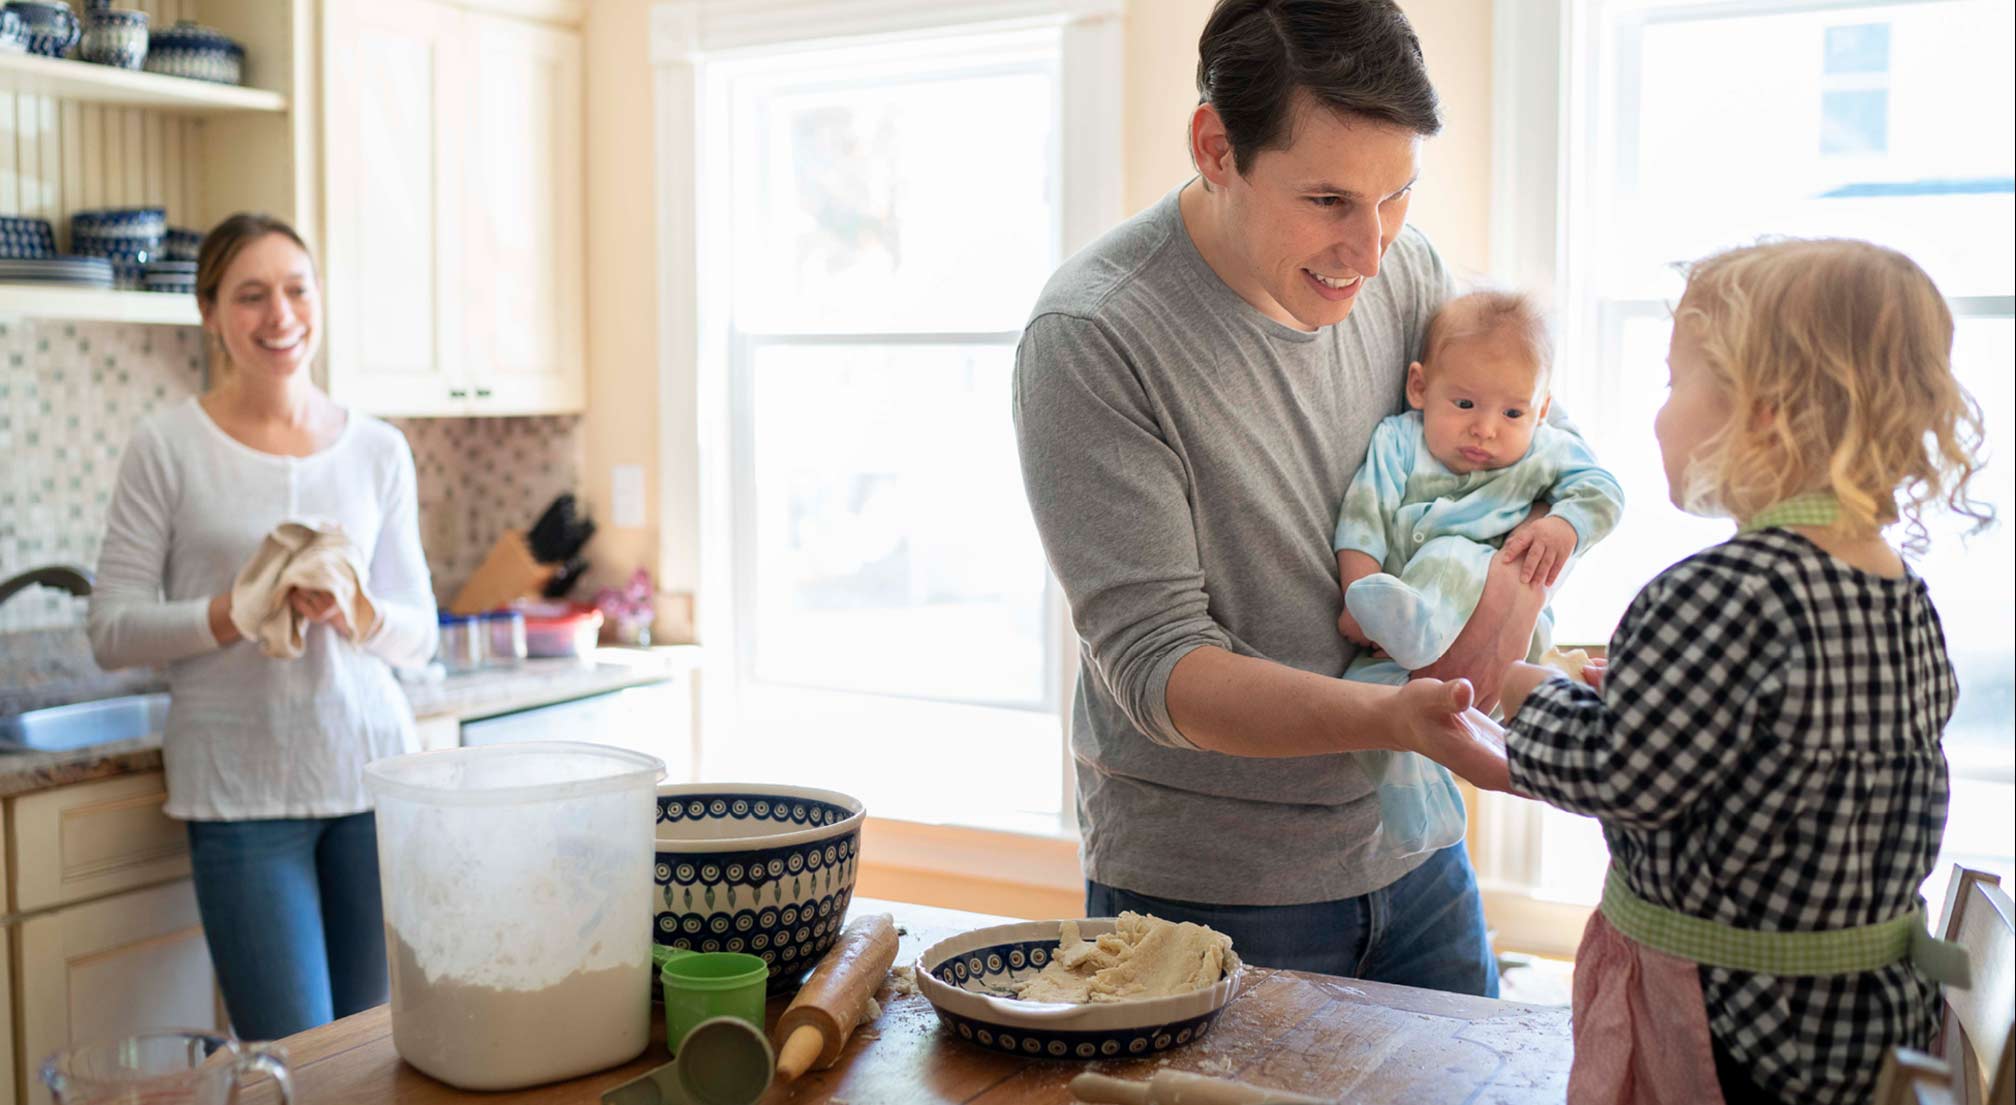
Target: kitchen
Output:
{"points": [[526, 213]]}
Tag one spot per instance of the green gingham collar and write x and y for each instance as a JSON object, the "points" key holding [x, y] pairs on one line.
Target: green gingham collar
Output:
{"points": [[1819, 508]]}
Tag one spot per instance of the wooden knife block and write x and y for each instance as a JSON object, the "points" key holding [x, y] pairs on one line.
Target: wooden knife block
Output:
{"points": [[507, 572]]}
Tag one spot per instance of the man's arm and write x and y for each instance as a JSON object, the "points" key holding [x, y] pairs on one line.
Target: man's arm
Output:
{"points": [[1112, 508], [1499, 632]]}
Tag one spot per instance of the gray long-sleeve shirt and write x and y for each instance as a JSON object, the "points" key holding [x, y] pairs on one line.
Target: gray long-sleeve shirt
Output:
{"points": [[1184, 456]]}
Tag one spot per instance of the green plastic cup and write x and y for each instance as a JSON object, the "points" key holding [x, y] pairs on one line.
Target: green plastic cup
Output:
{"points": [[700, 986]]}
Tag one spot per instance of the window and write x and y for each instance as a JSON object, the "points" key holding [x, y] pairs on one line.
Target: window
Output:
{"points": [[878, 214], [1889, 122]]}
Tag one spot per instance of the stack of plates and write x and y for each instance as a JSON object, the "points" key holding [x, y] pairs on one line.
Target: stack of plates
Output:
{"points": [[83, 272], [169, 276]]}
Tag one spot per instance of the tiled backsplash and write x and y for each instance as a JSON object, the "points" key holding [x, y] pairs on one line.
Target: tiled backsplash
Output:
{"points": [[482, 476], [71, 393]]}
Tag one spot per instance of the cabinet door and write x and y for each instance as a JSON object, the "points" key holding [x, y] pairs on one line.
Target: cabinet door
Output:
{"points": [[110, 968], [525, 243], [91, 839], [395, 97]]}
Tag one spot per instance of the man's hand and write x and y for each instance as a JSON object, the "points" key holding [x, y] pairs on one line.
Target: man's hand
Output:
{"points": [[319, 606], [1436, 720], [1545, 543]]}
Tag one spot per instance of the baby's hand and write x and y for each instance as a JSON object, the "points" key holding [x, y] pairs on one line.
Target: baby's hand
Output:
{"points": [[1348, 626], [1546, 543]]}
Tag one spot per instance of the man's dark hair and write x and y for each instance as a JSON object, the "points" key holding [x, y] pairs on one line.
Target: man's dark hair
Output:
{"points": [[1359, 57]]}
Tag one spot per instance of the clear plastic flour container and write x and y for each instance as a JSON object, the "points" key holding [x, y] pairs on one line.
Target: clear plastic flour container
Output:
{"points": [[517, 888]]}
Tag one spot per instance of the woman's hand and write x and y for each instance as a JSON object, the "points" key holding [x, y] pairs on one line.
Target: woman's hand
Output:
{"points": [[221, 626], [1436, 720], [319, 606]]}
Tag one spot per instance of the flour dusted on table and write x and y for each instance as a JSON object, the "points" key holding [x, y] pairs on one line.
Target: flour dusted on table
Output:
{"points": [[1143, 957]]}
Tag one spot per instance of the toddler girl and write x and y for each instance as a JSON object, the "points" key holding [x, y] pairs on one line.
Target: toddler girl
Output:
{"points": [[1763, 752]]}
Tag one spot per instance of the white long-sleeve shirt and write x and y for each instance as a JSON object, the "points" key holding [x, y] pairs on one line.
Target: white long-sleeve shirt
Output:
{"points": [[248, 736]]}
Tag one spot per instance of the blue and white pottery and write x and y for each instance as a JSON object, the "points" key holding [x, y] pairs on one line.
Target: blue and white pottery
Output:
{"points": [[757, 868], [129, 256], [22, 237], [115, 36], [192, 50], [13, 33], [52, 27], [181, 244], [169, 276], [968, 980], [119, 222]]}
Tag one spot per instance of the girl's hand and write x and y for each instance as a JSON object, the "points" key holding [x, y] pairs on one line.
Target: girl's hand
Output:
{"points": [[1436, 720], [1593, 672], [1520, 679], [319, 606]]}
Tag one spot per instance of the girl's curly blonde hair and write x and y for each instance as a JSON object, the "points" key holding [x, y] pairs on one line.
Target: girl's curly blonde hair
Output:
{"points": [[1836, 357]]}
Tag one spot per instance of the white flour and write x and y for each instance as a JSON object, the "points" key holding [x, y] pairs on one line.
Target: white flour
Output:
{"points": [[479, 1037]]}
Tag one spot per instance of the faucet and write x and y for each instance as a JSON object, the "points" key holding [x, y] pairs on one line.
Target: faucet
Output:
{"points": [[77, 581]]}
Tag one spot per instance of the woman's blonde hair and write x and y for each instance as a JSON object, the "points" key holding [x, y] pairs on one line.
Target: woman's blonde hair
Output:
{"points": [[1836, 357]]}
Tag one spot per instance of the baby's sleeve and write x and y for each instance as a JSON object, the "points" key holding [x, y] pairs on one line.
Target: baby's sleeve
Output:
{"points": [[1695, 663], [1376, 491], [1584, 493]]}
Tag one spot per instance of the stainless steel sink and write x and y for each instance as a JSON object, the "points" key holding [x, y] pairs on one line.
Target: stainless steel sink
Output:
{"points": [[82, 724]]}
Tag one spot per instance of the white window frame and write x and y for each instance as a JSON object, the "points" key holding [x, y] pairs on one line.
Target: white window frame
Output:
{"points": [[695, 377], [1540, 133]]}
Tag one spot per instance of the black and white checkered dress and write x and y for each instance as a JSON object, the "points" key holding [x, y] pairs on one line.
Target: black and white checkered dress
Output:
{"points": [[1765, 754]]}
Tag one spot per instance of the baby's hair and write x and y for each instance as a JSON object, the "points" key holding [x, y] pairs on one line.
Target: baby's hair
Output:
{"points": [[1836, 357], [1491, 313]]}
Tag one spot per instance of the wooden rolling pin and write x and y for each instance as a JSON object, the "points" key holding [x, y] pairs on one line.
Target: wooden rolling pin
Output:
{"points": [[1177, 1087], [816, 1024]]}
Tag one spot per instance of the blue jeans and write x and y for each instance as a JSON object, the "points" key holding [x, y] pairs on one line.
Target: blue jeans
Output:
{"points": [[1426, 929], [290, 910]]}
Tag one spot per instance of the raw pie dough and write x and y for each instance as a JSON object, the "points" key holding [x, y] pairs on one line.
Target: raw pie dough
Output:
{"points": [[1143, 957]]}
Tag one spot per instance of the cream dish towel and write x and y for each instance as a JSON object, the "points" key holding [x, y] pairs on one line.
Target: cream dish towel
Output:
{"points": [[314, 556]]}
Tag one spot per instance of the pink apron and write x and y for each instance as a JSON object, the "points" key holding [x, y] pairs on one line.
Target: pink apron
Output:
{"points": [[1640, 1025]]}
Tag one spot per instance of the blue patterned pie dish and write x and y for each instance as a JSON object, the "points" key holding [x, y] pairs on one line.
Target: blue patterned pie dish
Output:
{"points": [[759, 868], [968, 979]]}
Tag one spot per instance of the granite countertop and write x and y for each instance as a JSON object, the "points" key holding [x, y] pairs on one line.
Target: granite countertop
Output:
{"points": [[474, 695]]}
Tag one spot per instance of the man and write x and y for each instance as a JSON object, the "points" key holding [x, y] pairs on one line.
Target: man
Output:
{"points": [[1193, 394]]}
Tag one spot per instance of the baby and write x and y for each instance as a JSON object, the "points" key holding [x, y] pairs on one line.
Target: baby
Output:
{"points": [[1446, 483]]}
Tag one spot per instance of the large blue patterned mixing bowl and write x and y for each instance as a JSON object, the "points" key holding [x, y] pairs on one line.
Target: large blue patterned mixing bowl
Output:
{"points": [[757, 868]]}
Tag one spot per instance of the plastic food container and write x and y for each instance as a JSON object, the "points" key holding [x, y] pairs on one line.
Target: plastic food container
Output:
{"points": [[515, 880], [504, 637], [461, 647], [561, 630]]}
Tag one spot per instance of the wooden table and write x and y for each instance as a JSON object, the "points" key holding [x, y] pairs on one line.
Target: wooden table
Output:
{"points": [[1363, 1042]]}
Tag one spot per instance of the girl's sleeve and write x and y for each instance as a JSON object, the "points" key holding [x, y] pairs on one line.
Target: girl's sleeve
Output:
{"points": [[1693, 675], [1375, 492], [400, 581], [130, 623]]}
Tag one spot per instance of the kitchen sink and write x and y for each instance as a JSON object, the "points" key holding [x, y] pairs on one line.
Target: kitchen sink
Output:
{"points": [[83, 724]]}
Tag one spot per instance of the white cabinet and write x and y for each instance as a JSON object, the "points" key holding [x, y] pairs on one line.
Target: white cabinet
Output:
{"points": [[111, 968], [92, 839], [456, 247]]}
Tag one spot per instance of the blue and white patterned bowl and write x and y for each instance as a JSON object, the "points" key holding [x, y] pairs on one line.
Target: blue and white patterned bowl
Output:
{"points": [[968, 977], [181, 244], [758, 868], [119, 222], [22, 237], [189, 49]]}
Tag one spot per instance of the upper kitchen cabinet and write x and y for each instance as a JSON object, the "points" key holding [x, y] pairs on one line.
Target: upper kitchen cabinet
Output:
{"points": [[454, 210]]}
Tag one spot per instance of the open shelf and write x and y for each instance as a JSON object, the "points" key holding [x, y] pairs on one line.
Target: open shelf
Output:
{"points": [[97, 304], [104, 84]]}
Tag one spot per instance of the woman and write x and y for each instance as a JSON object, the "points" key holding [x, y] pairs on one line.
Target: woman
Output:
{"points": [[264, 755]]}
